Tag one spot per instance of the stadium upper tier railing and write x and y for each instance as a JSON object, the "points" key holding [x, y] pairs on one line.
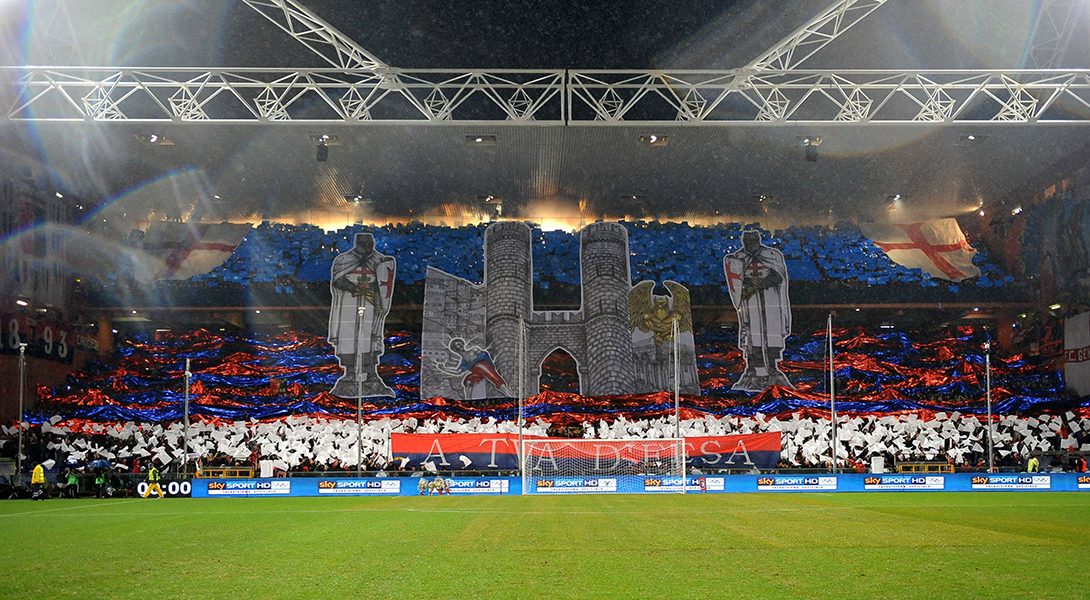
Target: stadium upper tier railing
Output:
{"points": [[544, 97]]}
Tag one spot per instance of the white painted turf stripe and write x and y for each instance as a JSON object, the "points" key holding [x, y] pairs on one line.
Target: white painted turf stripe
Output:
{"points": [[51, 510]]}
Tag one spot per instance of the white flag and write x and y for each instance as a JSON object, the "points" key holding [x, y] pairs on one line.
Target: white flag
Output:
{"points": [[936, 247], [182, 250]]}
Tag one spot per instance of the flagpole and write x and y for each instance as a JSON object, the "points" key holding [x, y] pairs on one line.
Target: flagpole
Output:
{"points": [[832, 393], [677, 402], [359, 390], [22, 391], [522, 385], [185, 429], [988, 395], [677, 384]]}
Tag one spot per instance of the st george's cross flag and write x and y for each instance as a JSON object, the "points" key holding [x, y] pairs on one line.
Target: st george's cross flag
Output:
{"points": [[937, 247], [1077, 353], [182, 250]]}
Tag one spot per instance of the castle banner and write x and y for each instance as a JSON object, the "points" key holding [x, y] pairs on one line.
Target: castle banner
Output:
{"points": [[621, 338]]}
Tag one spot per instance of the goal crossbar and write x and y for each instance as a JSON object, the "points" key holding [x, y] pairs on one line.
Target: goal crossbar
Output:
{"points": [[573, 466]]}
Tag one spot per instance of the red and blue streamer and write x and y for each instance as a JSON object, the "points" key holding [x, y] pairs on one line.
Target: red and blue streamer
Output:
{"points": [[271, 377]]}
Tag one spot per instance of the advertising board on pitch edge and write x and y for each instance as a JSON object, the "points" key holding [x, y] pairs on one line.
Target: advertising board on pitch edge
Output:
{"points": [[807, 483], [467, 487], [359, 487], [672, 483], [249, 488], [1012, 482], [1084, 482], [576, 485], [904, 482]]}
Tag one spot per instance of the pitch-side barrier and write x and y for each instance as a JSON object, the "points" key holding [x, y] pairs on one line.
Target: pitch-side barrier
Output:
{"points": [[713, 484]]}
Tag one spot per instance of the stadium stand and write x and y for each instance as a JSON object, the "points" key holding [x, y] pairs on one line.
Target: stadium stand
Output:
{"points": [[278, 253], [906, 396]]}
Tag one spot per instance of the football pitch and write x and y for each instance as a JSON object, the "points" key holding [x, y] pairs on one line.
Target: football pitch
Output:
{"points": [[875, 545]]}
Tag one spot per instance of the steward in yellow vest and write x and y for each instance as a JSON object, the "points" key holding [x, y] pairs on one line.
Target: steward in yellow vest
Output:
{"points": [[153, 483]]}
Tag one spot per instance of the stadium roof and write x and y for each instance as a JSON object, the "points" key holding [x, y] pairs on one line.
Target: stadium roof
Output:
{"points": [[545, 167]]}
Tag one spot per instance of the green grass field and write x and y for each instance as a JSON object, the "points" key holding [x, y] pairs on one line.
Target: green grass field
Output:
{"points": [[897, 545]]}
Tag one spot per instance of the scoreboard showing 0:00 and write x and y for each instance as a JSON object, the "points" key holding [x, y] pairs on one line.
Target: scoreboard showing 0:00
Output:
{"points": [[44, 338], [172, 489]]}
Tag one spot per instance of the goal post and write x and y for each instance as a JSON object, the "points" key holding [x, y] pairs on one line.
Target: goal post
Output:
{"points": [[582, 466]]}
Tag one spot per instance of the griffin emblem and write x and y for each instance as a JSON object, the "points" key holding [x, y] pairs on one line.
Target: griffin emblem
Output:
{"points": [[656, 314]]}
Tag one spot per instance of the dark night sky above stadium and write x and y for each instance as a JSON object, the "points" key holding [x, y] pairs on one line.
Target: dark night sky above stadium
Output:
{"points": [[524, 34], [505, 34], [538, 34]]}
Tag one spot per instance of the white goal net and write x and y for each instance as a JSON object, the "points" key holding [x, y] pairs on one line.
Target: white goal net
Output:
{"points": [[575, 466]]}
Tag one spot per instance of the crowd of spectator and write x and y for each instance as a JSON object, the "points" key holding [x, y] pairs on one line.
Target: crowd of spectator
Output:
{"points": [[286, 255], [116, 452]]}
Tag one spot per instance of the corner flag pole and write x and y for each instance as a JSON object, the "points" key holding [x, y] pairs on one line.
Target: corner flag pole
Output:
{"points": [[832, 393]]}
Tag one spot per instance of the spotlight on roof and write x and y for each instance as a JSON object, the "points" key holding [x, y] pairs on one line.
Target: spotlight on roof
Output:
{"points": [[653, 139], [1017, 210], [21, 302], [325, 138], [154, 139], [358, 200], [480, 140], [981, 213], [59, 195], [490, 206], [972, 138], [1054, 306], [810, 145]]}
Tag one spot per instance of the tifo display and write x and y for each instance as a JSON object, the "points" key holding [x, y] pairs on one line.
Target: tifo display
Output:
{"points": [[690, 255], [656, 398]]}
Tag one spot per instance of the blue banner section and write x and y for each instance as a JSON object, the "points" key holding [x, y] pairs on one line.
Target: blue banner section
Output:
{"points": [[640, 484]]}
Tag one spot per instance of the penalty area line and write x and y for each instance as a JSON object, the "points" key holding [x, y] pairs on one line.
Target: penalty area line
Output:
{"points": [[31, 513]]}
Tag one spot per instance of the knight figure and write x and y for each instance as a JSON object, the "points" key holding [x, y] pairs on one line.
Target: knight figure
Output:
{"points": [[757, 280], [362, 286]]}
